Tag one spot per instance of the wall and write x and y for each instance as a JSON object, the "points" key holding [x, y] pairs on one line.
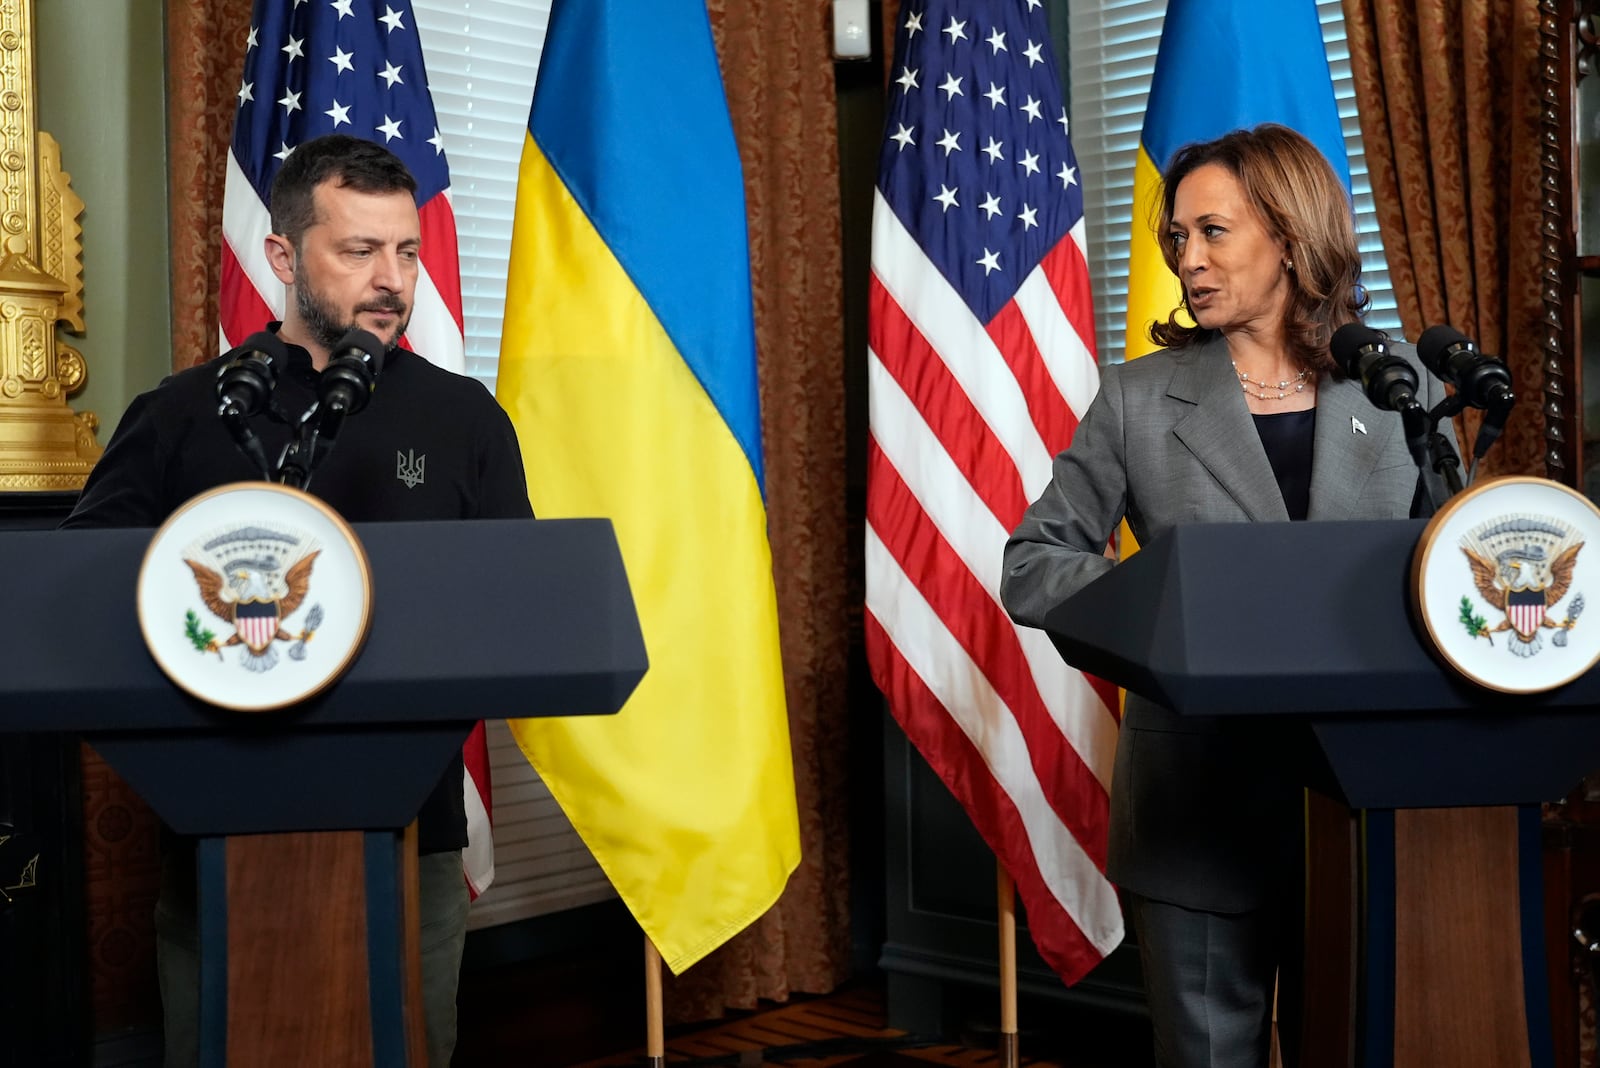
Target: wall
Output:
{"points": [[101, 80], [101, 94]]}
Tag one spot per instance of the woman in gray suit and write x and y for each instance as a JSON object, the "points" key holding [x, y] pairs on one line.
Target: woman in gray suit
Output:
{"points": [[1241, 416]]}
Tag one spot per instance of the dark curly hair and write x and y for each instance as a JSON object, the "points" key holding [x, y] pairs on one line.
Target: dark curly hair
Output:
{"points": [[1301, 202], [350, 162]]}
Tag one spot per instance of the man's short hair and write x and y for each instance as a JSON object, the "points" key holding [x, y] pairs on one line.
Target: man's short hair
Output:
{"points": [[349, 162]]}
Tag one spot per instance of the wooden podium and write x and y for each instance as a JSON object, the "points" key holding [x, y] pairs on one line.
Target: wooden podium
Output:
{"points": [[1425, 941], [308, 946]]}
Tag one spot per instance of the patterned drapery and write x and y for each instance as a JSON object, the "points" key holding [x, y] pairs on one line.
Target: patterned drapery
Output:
{"points": [[1448, 92]]}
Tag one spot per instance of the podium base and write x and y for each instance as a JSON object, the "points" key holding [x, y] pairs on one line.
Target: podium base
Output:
{"points": [[309, 951], [1428, 923]]}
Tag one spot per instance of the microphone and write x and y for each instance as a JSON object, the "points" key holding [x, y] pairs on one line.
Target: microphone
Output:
{"points": [[352, 373], [1481, 381], [247, 375], [1362, 353]]}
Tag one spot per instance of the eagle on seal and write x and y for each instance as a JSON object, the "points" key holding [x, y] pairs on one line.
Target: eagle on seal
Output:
{"points": [[1523, 567], [250, 598]]}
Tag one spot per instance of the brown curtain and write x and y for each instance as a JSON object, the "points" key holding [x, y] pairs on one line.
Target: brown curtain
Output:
{"points": [[1449, 97], [777, 67], [205, 61], [779, 77]]}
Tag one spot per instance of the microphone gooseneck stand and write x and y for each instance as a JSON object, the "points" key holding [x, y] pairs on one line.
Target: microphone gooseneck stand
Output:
{"points": [[345, 387], [248, 377], [1391, 384], [1479, 381]]}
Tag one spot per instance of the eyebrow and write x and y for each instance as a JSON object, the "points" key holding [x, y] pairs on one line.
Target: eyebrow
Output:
{"points": [[367, 239]]}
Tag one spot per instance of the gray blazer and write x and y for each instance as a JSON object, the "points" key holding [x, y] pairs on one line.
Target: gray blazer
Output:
{"points": [[1204, 812]]}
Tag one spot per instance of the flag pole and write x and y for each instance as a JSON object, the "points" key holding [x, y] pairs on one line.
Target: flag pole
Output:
{"points": [[655, 1041], [1007, 902]]}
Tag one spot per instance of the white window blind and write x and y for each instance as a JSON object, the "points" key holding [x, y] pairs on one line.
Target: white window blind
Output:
{"points": [[482, 56], [1113, 57]]}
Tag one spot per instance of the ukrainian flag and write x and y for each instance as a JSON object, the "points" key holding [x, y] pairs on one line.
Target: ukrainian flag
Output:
{"points": [[1222, 65], [628, 365]]}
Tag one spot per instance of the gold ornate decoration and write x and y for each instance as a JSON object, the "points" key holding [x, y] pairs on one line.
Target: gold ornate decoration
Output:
{"points": [[44, 444]]}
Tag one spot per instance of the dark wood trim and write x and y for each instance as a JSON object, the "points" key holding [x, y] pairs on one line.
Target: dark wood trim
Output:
{"points": [[1328, 994], [1558, 70]]}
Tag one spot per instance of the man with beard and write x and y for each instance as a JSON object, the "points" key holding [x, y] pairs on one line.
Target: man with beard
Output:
{"points": [[429, 445]]}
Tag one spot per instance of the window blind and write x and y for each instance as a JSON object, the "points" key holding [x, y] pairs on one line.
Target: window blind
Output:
{"points": [[1113, 57], [482, 56]]}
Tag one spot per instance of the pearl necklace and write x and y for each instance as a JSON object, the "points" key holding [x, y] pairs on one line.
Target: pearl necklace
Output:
{"points": [[1284, 390]]}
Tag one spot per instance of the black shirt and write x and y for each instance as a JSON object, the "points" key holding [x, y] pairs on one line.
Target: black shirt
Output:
{"points": [[1287, 436], [428, 445]]}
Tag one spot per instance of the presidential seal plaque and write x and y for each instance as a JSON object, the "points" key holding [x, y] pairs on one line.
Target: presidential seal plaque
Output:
{"points": [[1500, 580], [254, 596]]}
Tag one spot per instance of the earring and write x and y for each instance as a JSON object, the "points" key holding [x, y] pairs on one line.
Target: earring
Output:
{"points": [[1288, 265]]}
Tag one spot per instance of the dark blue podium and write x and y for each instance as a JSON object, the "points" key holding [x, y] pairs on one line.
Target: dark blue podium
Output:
{"points": [[1443, 962], [308, 938]]}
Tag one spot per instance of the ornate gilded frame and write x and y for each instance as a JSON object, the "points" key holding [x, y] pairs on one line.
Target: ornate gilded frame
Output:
{"points": [[44, 444]]}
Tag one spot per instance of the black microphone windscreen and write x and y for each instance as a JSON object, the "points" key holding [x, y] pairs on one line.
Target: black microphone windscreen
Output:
{"points": [[363, 341], [1347, 343], [1435, 342], [267, 344]]}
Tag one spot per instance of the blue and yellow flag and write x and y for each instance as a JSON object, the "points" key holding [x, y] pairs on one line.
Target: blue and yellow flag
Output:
{"points": [[1222, 65], [628, 365]]}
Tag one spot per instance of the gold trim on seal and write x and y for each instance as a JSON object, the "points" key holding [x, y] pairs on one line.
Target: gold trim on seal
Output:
{"points": [[1422, 556]]}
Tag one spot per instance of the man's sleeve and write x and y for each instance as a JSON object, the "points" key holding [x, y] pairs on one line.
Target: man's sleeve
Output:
{"points": [[125, 487], [502, 483]]}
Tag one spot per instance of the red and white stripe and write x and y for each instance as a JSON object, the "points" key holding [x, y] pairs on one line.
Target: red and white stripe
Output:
{"points": [[966, 417], [251, 295]]}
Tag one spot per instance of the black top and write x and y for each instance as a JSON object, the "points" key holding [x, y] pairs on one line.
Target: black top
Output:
{"points": [[428, 445], [1286, 436]]}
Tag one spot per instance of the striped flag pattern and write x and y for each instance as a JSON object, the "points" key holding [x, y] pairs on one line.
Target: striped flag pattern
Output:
{"points": [[628, 365], [352, 67], [981, 362]]}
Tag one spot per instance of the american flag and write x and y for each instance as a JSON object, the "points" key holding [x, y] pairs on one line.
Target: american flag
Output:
{"points": [[315, 67], [982, 359]]}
